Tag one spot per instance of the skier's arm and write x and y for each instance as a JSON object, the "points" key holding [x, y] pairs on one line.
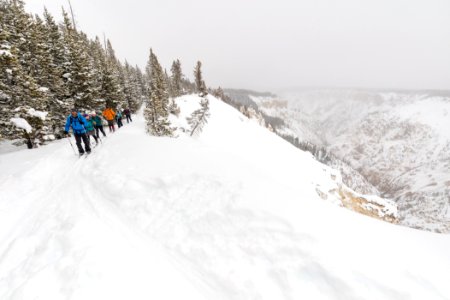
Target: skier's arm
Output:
{"points": [[67, 125]]}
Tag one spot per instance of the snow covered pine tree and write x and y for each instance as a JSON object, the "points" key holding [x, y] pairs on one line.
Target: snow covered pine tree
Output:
{"points": [[157, 107]]}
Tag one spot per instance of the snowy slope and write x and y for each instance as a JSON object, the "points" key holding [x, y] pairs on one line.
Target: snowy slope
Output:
{"points": [[232, 214], [306, 128], [398, 140]]}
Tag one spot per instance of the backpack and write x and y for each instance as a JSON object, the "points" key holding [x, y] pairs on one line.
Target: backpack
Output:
{"points": [[72, 119], [79, 120]]}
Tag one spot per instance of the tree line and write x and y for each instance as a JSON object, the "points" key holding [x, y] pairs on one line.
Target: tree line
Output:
{"points": [[51, 68]]}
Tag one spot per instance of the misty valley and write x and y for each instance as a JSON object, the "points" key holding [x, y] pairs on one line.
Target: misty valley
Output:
{"points": [[394, 144]]}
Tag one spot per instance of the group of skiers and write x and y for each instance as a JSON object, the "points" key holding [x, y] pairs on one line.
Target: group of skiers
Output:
{"points": [[86, 125]]}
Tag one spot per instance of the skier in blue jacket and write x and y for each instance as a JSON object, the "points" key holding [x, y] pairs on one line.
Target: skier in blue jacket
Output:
{"points": [[79, 125]]}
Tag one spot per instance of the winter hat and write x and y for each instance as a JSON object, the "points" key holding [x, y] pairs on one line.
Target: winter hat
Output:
{"points": [[94, 113], [74, 110]]}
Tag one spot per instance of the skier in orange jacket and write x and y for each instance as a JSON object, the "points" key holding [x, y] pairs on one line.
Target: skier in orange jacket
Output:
{"points": [[109, 115]]}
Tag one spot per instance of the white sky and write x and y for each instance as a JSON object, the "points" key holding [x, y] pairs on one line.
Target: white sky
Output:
{"points": [[273, 44]]}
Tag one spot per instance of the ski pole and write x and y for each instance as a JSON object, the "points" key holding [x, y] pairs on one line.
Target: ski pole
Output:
{"points": [[72, 145]]}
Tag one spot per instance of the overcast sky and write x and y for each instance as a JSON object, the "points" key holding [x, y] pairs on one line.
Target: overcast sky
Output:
{"points": [[273, 44]]}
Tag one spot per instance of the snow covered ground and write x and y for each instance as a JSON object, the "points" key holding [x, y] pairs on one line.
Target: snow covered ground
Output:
{"points": [[232, 214]]}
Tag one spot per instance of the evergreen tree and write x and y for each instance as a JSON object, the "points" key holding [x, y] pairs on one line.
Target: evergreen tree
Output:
{"points": [[128, 89], [11, 83], [19, 24], [157, 107], [97, 55], [80, 73], [199, 118], [123, 98], [58, 63], [132, 88], [173, 107], [142, 81], [168, 83], [176, 78], [139, 85], [188, 87], [199, 82], [18, 27], [110, 88], [219, 93], [20, 92]]}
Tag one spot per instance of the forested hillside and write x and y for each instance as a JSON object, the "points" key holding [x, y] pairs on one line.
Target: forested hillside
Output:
{"points": [[49, 68]]}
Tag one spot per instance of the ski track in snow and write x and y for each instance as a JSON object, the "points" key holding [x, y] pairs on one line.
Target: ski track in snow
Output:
{"points": [[70, 227], [42, 244]]}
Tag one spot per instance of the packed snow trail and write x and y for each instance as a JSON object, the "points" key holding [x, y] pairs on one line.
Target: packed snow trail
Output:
{"points": [[64, 242], [233, 214]]}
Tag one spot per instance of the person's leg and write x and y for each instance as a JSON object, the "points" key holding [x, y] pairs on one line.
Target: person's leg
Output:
{"points": [[101, 129], [97, 129], [92, 132], [78, 140], [128, 118], [87, 145]]}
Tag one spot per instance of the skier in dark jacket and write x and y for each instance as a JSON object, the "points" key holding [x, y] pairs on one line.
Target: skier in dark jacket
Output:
{"points": [[119, 118], [78, 124], [127, 114]]}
